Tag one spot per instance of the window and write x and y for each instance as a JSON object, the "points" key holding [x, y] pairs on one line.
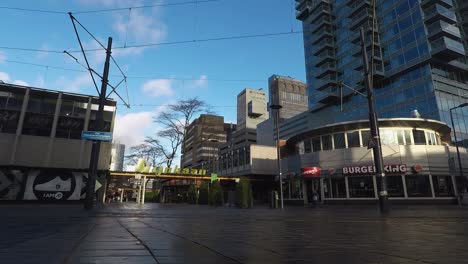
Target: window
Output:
{"points": [[419, 137], [327, 142], [394, 185], [338, 188], [400, 137], [353, 139], [387, 137], [443, 186], [307, 146], [365, 135], [361, 187], [316, 144], [9, 121], [408, 137], [418, 186], [339, 140]]}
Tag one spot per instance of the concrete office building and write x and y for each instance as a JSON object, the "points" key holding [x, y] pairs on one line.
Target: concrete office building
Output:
{"points": [[117, 157], [42, 155], [204, 136], [419, 50], [290, 93], [334, 162]]}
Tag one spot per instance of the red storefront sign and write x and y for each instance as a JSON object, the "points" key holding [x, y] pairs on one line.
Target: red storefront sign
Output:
{"points": [[309, 172], [370, 169]]}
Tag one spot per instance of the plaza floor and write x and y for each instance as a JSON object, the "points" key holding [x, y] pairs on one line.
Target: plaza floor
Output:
{"points": [[175, 233]]}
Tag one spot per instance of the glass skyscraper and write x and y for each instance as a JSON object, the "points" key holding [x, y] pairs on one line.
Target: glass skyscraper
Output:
{"points": [[419, 52]]}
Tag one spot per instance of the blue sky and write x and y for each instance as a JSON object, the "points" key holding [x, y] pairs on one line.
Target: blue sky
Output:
{"points": [[252, 59]]}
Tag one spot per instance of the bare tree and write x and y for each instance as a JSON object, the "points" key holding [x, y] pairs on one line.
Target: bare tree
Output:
{"points": [[146, 151], [175, 121]]}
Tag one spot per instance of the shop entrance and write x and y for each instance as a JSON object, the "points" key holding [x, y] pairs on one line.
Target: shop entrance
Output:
{"points": [[313, 189]]}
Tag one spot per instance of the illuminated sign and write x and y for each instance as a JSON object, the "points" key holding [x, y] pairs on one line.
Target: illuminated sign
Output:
{"points": [[143, 167], [370, 169], [310, 172]]}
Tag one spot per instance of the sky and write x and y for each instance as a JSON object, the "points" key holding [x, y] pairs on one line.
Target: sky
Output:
{"points": [[215, 71]]}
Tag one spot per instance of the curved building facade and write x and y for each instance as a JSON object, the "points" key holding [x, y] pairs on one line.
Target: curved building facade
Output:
{"points": [[334, 162]]}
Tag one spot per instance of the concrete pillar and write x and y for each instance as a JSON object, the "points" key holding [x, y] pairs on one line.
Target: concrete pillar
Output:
{"points": [[121, 195], [432, 186], [404, 186], [304, 192], [144, 190], [139, 193], [347, 187], [374, 180], [81, 162], [50, 146], [19, 128]]}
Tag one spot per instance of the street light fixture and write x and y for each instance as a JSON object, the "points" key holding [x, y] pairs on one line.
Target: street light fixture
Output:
{"points": [[278, 151], [460, 166]]}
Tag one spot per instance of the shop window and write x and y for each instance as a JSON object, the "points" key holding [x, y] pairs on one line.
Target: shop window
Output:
{"points": [[69, 127], [365, 136], [353, 139], [339, 140], [419, 137], [394, 185], [338, 188], [361, 187], [408, 137], [418, 186], [9, 121], [307, 146], [327, 142], [37, 124], [443, 186], [400, 136], [316, 144], [387, 137]]}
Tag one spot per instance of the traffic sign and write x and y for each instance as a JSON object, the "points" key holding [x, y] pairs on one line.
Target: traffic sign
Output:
{"points": [[96, 135]]}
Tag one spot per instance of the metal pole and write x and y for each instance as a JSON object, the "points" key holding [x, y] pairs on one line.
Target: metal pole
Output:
{"points": [[278, 152], [460, 166], [374, 127], [93, 163], [144, 190]]}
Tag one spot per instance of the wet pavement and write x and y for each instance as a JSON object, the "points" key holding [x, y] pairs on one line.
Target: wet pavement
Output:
{"points": [[172, 233]]}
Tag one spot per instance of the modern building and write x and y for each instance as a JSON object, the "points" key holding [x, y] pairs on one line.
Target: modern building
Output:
{"points": [[335, 163], [42, 154], [290, 93], [201, 144], [419, 50], [117, 157]]}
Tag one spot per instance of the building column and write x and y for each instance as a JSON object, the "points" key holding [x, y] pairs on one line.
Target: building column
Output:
{"points": [[405, 191], [83, 142], [304, 192], [50, 146], [347, 187], [19, 128], [432, 186], [374, 180], [322, 191], [454, 185]]}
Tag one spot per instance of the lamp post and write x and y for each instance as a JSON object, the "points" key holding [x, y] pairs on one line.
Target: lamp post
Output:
{"points": [[460, 166], [278, 152]]}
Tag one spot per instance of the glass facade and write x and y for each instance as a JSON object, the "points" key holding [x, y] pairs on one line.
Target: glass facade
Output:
{"points": [[419, 53]]}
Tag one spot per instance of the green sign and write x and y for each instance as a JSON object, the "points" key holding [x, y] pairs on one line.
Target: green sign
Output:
{"points": [[143, 167], [214, 177]]}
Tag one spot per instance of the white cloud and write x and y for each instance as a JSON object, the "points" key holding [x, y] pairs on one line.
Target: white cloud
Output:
{"points": [[20, 82], [4, 76], [130, 128], [73, 85], [158, 87], [201, 82]]}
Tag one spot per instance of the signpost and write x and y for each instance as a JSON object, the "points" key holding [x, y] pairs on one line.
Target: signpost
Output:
{"points": [[96, 135]]}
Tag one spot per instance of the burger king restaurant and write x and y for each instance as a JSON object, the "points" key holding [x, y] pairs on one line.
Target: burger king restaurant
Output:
{"points": [[334, 164]]}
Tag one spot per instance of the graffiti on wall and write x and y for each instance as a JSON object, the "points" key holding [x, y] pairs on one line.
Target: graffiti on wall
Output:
{"points": [[42, 184]]}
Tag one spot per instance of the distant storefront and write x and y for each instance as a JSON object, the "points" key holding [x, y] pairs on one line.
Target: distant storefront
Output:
{"points": [[334, 163], [42, 155]]}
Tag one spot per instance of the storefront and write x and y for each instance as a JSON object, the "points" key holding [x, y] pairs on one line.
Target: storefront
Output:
{"points": [[334, 163]]}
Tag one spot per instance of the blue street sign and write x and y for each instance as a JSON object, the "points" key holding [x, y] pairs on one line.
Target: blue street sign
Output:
{"points": [[96, 135]]}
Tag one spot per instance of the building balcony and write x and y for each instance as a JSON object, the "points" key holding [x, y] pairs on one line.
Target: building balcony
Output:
{"points": [[356, 37], [378, 72], [445, 3], [352, 2], [326, 83], [447, 49], [323, 34], [322, 11], [323, 26], [324, 45], [324, 57], [438, 12], [359, 5], [361, 19], [357, 51], [303, 11], [323, 21], [441, 28], [463, 6], [329, 69]]}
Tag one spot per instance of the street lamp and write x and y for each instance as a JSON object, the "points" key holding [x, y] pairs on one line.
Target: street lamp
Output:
{"points": [[456, 143], [278, 152]]}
